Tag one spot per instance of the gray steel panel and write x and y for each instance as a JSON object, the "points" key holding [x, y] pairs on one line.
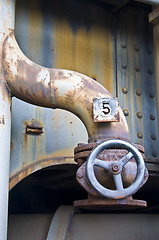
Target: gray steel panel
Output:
{"points": [[136, 78]]}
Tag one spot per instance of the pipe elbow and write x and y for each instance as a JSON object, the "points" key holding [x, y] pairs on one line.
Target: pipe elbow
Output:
{"points": [[57, 88]]}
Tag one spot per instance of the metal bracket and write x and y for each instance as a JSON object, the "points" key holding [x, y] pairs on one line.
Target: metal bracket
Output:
{"points": [[106, 110], [34, 128]]}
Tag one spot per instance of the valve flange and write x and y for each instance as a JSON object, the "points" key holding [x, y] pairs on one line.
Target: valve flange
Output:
{"points": [[111, 160]]}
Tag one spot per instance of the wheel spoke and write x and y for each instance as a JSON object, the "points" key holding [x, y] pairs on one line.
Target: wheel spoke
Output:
{"points": [[124, 160], [118, 181], [102, 164]]}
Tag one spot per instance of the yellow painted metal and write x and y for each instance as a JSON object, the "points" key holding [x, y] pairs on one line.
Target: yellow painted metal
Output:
{"points": [[64, 35], [86, 51], [34, 27]]}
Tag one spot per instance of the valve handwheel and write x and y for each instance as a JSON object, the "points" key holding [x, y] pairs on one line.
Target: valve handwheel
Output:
{"points": [[116, 169]]}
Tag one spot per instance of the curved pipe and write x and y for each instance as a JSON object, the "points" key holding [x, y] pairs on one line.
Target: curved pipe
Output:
{"points": [[55, 88]]}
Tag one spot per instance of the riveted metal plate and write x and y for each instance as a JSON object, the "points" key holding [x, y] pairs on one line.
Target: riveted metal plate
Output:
{"points": [[136, 77], [106, 110]]}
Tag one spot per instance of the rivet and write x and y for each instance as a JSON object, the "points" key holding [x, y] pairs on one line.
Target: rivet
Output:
{"points": [[150, 71], [123, 44], [80, 144], [137, 68], [138, 92], [149, 51], [115, 167], [124, 66], [139, 114], [153, 137], [151, 95], [154, 153], [137, 48], [140, 135], [126, 112], [152, 117], [125, 90]]}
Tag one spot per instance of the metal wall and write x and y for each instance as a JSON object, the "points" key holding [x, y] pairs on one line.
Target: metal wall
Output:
{"points": [[72, 35], [113, 48], [136, 79]]}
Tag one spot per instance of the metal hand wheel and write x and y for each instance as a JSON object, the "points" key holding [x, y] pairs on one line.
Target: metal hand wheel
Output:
{"points": [[115, 168]]}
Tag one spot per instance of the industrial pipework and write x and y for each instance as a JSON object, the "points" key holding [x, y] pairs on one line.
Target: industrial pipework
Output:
{"points": [[74, 92], [57, 88], [97, 109]]}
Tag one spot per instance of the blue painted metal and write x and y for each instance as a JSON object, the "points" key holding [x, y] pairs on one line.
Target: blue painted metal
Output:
{"points": [[136, 72], [90, 43], [60, 37]]}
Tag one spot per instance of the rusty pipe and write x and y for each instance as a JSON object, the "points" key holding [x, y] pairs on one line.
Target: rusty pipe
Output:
{"points": [[56, 88], [7, 16]]}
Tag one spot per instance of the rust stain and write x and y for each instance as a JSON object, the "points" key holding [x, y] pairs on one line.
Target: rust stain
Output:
{"points": [[35, 22], [73, 97], [2, 120], [8, 3], [88, 52], [35, 166]]}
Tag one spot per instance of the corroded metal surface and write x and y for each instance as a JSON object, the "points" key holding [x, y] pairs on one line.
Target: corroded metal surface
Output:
{"points": [[34, 128], [105, 175], [79, 52], [109, 204], [83, 151], [106, 110], [128, 175], [35, 166], [56, 88], [40, 30], [136, 78], [6, 22], [60, 37]]}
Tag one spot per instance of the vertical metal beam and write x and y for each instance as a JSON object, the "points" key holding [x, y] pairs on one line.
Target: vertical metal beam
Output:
{"points": [[7, 9], [154, 19]]}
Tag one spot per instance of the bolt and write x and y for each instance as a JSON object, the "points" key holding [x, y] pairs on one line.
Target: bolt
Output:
{"points": [[152, 117], [151, 95], [123, 44], [137, 48], [126, 112], [125, 90], [124, 66], [149, 51], [153, 137], [115, 167], [154, 153], [137, 68], [138, 92], [140, 135], [139, 114], [150, 71]]}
